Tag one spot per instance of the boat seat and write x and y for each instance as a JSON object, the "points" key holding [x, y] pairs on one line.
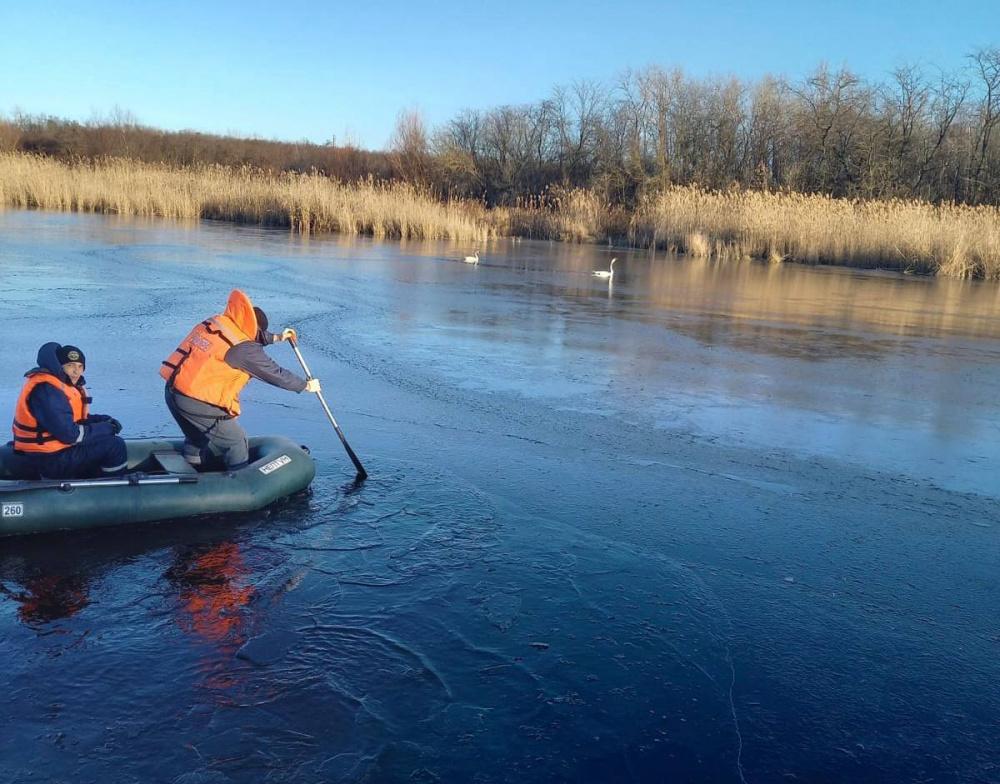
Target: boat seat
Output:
{"points": [[174, 463]]}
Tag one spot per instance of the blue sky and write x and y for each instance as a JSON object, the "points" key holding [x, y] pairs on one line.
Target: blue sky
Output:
{"points": [[312, 70]]}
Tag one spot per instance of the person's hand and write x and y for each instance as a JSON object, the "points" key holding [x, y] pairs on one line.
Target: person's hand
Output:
{"points": [[115, 424], [312, 385], [289, 334]]}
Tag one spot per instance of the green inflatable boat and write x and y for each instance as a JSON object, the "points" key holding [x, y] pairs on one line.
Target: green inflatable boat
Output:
{"points": [[160, 485]]}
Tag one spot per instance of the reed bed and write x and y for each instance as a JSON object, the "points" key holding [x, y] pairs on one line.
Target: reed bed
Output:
{"points": [[564, 214], [911, 236], [303, 202]]}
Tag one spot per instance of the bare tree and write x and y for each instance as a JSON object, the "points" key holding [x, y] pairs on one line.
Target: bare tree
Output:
{"points": [[577, 114], [986, 64], [629, 137], [833, 104], [946, 101], [767, 135], [458, 149], [409, 149]]}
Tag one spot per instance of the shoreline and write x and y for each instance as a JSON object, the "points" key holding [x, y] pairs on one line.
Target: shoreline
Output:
{"points": [[950, 240]]}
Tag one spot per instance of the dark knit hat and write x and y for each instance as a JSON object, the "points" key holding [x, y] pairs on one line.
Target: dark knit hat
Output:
{"points": [[261, 318], [70, 354]]}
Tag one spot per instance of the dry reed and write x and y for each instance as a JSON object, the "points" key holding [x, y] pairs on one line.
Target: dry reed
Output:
{"points": [[910, 236], [303, 202], [564, 214]]}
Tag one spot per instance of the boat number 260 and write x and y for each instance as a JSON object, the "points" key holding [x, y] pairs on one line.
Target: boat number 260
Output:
{"points": [[13, 510]]}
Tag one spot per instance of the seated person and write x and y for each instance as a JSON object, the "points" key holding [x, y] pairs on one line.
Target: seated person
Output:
{"points": [[55, 435]]}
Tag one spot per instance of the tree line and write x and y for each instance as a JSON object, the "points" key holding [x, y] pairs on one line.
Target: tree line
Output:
{"points": [[121, 135], [920, 133]]}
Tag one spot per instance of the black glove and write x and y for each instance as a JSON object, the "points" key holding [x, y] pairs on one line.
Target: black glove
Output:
{"points": [[115, 424], [98, 430]]}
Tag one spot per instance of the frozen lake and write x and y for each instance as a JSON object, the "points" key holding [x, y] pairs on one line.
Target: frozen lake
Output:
{"points": [[708, 523]]}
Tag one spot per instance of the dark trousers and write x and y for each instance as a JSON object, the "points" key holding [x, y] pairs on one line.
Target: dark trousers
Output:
{"points": [[208, 431], [95, 457]]}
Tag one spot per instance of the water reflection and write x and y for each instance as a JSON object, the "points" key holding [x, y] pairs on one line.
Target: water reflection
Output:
{"points": [[213, 591], [43, 598], [44, 582], [527, 293], [746, 300], [827, 298], [210, 580], [891, 370]]}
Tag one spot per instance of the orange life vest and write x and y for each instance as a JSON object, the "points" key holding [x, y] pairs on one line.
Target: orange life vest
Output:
{"points": [[198, 368], [29, 436]]}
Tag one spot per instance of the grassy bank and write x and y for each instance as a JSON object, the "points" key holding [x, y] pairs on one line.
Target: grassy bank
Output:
{"points": [[952, 240]]}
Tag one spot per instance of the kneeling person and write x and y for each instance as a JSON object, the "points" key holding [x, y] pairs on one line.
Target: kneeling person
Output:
{"points": [[209, 369], [54, 431]]}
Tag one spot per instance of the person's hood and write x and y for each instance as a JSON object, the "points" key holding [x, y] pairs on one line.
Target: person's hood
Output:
{"points": [[48, 361], [240, 310]]}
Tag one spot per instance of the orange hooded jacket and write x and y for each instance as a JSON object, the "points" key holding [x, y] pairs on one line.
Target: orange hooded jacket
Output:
{"points": [[198, 367]]}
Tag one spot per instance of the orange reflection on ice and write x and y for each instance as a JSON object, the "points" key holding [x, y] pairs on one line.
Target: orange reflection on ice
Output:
{"points": [[49, 597], [212, 594]]}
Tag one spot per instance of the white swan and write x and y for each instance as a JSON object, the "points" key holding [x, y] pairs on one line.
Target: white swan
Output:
{"points": [[474, 259], [608, 274]]}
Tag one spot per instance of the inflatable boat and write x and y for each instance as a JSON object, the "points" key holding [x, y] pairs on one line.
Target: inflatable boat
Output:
{"points": [[159, 485]]}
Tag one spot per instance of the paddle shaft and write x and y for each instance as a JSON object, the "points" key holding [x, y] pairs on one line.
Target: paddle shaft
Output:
{"points": [[362, 474], [20, 485]]}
